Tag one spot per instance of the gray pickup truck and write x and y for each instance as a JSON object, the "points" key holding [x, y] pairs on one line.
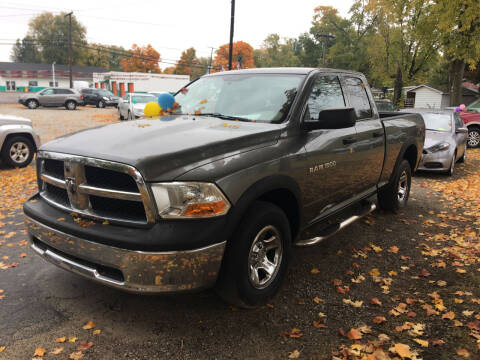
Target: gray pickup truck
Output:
{"points": [[253, 162]]}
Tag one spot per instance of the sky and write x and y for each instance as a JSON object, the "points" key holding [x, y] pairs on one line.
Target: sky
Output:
{"points": [[169, 26]]}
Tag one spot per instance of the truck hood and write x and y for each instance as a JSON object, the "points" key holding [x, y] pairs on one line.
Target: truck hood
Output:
{"points": [[165, 148], [14, 120]]}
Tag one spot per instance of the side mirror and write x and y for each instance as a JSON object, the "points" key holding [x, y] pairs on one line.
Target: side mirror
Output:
{"points": [[461, 130], [333, 118]]}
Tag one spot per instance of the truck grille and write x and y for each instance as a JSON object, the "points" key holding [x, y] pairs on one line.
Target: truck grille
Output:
{"points": [[94, 188]]}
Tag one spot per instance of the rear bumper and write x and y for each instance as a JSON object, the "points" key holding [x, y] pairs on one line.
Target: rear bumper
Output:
{"points": [[130, 270]]}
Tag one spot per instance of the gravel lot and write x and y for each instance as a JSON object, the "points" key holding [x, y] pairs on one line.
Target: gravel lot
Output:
{"points": [[9, 97], [40, 303]]}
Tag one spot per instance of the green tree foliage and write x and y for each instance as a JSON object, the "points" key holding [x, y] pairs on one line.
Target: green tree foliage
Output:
{"points": [[275, 53], [108, 56], [25, 51]]}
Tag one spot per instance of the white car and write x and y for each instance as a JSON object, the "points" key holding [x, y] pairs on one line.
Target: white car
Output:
{"points": [[18, 141], [131, 105]]}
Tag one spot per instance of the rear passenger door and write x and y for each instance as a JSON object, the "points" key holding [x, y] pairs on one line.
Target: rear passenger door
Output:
{"points": [[61, 95], [370, 145]]}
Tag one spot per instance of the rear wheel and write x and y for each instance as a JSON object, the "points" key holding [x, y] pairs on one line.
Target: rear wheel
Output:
{"points": [[32, 104], [101, 104], [120, 116], [70, 105], [129, 116], [394, 196], [473, 140], [18, 151], [464, 157], [256, 257]]}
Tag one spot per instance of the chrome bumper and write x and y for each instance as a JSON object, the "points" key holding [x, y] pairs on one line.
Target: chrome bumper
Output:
{"points": [[134, 271]]}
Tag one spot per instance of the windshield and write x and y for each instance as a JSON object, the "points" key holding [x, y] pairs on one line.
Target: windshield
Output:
{"points": [[385, 106], [438, 122], [143, 99], [251, 97], [104, 93], [474, 105]]}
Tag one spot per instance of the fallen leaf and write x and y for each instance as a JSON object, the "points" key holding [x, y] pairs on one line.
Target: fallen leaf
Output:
{"points": [[402, 350], [60, 340], [319, 325], [317, 300], [85, 345], [379, 319], [424, 272], [393, 249], [461, 271], [2, 348], [57, 351], [354, 334], [76, 355], [441, 283], [463, 352], [40, 351], [423, 343], [72, 339], [356, 304], [89, 325], [375, 272], [449, 315], [98, 331], [315, 271], [437, 342], [375, 301], [294, 354], [22, 255]]}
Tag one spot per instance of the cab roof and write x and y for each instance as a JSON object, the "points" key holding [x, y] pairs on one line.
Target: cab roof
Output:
{"points": [[282, 70]]}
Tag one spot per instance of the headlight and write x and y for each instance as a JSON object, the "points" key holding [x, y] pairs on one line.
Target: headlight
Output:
{"points": [[439, 147], [105, 98], [188, 200]]}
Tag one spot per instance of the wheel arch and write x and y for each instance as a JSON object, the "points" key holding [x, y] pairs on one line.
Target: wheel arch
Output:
{"points": [[14, 134]]}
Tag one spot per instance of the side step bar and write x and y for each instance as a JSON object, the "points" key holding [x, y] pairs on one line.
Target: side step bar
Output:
{"points": [[336, 228]]}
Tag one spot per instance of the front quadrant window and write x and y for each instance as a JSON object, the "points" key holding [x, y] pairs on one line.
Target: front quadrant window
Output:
{"points": [[326, 93], [357, 94], [250, 97]]}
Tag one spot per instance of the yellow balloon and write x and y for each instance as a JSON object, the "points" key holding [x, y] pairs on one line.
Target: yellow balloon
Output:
{"points": [[152, 109]]}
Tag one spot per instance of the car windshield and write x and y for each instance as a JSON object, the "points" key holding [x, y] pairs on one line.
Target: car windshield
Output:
{"points": [[104, 93], [385, 106], [438, 122], [249, 97], [143, 99]]}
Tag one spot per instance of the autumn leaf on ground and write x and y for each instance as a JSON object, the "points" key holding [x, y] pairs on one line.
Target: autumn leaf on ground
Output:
{"points": [[354, 334], [449, 315], [315, 271], [441, 283], [463, 352], [85, 345], [294, 354], [89, 325], [320, 325], [356, 304], [295, 333], [2, 348], [375, 272], [375, 301], [337, 282], [98, 331], [22, 255], [379, 319], [72, 339], [76, 355], [423, 343], [461, 271], [437, 342], [402, 350], [342, 290], [424, 272], [57, 351], [317, 300], [60, 340], [393, 249], [40, 351]]}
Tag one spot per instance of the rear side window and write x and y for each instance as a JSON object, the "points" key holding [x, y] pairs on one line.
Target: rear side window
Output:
{"points": [[326, 93], [357, 94], [63, 91], [86, 91]]}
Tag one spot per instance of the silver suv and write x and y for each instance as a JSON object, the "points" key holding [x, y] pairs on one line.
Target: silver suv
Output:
{"points": [[18, 141], [69, 98]]}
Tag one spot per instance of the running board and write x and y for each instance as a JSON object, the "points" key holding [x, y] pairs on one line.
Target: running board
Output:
{"points": [[336, 228]]}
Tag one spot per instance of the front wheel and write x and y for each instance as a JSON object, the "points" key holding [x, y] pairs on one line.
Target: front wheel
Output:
{"points": [[32, 104], [18, 151], [256, 257], [452, 165], [120, 116], [70, 105], [473, 140], [394, 196], [101, 104]]}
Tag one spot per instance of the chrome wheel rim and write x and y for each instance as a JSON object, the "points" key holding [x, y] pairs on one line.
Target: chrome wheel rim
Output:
{"points": [[265, 257], [473, 138], [19, 152], [100, 104], [32, 104], [70, 105], [402, 186]]}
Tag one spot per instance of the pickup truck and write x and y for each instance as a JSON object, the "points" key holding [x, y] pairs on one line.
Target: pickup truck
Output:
{"points": [[252, 162]]}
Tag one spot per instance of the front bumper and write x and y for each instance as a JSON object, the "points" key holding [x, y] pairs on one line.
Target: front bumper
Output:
{"points": [[437, 161], [134, 271]]}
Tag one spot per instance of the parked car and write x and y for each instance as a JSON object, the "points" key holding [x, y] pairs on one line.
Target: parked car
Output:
{"points": [[215, 195], [99, 97], [474, 106], [69, 98], [18, 140], [131, 105], [385, 105], [445, 141], [472, 121]]}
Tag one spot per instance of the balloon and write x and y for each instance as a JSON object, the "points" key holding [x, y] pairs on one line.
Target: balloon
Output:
{"points": [[152, 109], [166, 101], [457, 109], [462, 107]]}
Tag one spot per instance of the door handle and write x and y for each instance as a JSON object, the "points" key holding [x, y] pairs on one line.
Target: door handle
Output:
{"points": [[377, 134], [349, 140]]}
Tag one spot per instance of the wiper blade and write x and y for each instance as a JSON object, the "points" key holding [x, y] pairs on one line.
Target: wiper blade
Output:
{"points": [[225, 117]]}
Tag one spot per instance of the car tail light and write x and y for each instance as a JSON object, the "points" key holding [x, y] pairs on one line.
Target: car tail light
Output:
{"points": [[81, 96]]}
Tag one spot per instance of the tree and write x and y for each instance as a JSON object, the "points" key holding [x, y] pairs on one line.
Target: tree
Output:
{"points": [[274, 53], [242, 53], [50, 34], [459, 27], [108, 56], [25, 51], [142, 59], [187, 63]]}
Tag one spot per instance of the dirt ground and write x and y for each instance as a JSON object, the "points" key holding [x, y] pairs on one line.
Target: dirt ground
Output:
{"points": [[388, 286]]}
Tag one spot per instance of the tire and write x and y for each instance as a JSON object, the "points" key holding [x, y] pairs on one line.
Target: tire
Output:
{"points": [[129, 116], [473, 140], [101, 104], [18, 151], [32, 104], [245, 285], [451, 171], [70, 105], [464, 157], [120, 116], [394, 196]]}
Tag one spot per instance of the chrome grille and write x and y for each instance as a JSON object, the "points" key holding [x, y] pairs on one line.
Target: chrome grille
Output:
{"points": [[95, 188]]}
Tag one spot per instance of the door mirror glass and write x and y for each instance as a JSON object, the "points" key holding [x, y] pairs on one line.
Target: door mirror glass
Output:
{"points": [[333, 118]]}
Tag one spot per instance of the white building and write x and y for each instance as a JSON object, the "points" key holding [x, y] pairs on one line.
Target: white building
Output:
{"points": [[34, 77], [121, 82]]}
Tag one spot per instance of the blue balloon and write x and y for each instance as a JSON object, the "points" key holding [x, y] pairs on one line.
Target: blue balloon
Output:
{"points": [[166, 101]]}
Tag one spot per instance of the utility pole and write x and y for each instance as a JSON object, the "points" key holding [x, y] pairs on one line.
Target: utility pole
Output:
{"points": [[211, 57], [70, 47], [230, 48], [53, 73]]}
